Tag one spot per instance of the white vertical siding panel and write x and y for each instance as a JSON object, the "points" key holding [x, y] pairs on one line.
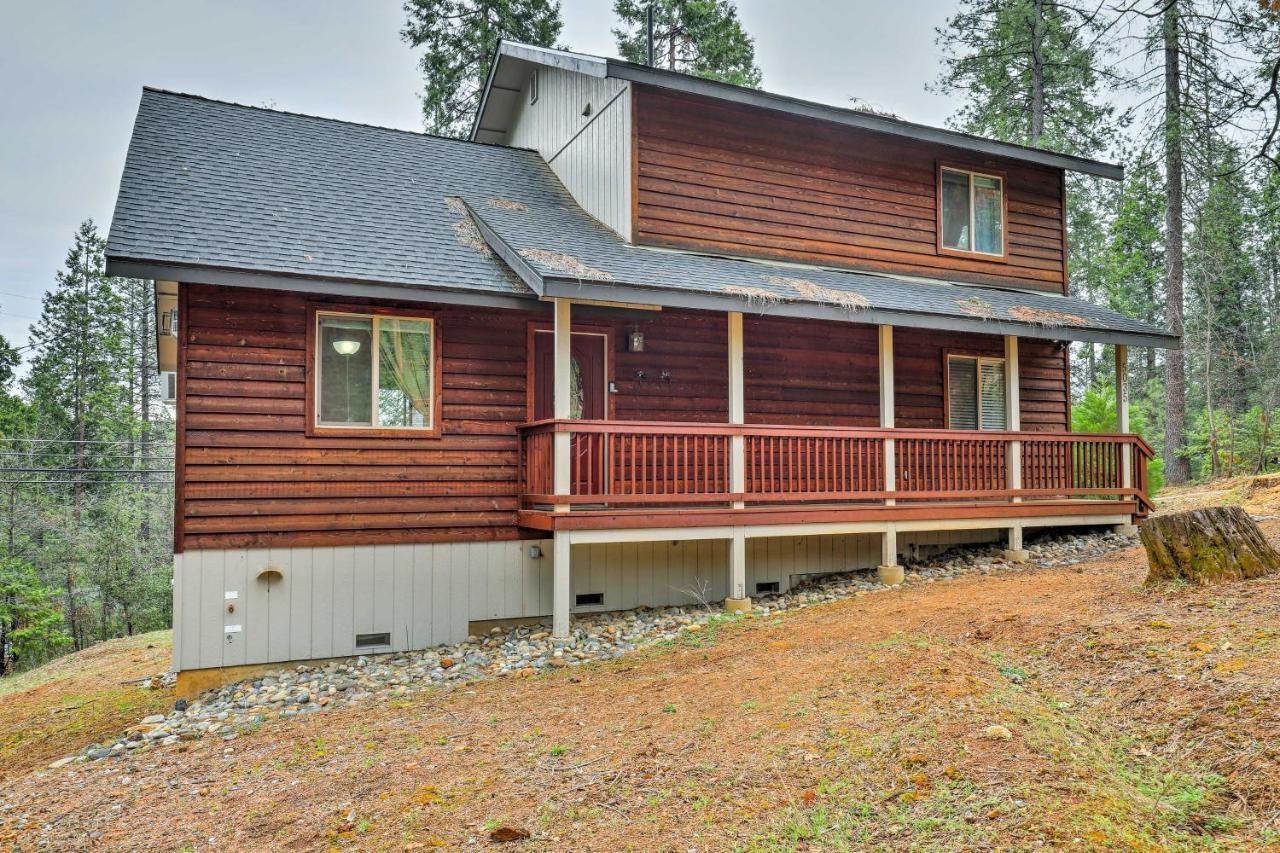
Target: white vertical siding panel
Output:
{"points": [[422, 594], [257, 624], [402, 598], [590, 154], [344, 600], [278, 603], [211, 610], [457, 601], [441, 593], [300, 604], [235, 578], [362, 589], [322, 599], [384, 588]]}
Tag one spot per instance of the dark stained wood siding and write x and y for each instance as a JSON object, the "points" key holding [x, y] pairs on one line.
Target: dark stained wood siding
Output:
{"points": [[253, 478], [750, 181], [249, 476]]}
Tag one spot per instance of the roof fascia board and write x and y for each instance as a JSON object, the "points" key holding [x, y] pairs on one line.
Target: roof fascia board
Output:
{"points": [[484, 93], [752, 97], [611, 292], [522, 268], [592, 66], [268, 281]]}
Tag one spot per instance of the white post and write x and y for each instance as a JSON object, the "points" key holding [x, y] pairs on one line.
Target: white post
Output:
{"points": [[560, 585], [1013, 418], [1122, 425], [561, 388], [886, 411], [737, 600], [889, 570], [737, 410]]}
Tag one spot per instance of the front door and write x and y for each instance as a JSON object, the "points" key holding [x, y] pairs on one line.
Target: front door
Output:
{"points": [[588, 395], [587, 383]]}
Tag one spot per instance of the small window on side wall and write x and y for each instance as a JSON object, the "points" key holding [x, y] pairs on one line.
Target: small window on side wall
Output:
{"points": [[970, 212], [375, 372], [976, 393]]}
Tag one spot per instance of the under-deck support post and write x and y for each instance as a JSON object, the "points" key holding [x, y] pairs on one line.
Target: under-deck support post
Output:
{"points": [[889, 570], [737, 600], [560, 585], [1122, 426], [561, 389], [886, 412], [1013, 418]]}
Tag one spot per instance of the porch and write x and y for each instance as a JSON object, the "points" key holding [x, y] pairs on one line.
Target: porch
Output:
{"points": [[594, 480]]}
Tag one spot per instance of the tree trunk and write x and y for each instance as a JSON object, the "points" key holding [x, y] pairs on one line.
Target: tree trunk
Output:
{"points": [[1177, 469], [1037, 74], [1206, 546]]}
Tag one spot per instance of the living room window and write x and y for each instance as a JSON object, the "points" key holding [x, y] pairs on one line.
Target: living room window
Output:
{"points": [[971, 212], [976, 393], [375, 372]]}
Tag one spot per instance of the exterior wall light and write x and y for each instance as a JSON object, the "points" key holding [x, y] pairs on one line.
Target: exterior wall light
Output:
{"points": [[635, 341]]}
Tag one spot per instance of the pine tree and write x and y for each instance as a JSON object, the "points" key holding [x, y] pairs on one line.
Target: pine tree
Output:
{"points": [[460, 37], [76, 391], [1027, 74], [699, 37], [30, 624]]}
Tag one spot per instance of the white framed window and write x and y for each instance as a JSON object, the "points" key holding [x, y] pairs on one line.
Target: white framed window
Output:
{"points": [[976, 393], [375, 372], [533, 87], [971, 212]]}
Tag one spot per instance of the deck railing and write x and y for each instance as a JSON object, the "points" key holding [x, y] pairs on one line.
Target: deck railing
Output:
{"points": [[654, 464]]}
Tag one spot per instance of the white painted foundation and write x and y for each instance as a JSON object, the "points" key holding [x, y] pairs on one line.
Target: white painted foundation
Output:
{"points": [[424, 595]]}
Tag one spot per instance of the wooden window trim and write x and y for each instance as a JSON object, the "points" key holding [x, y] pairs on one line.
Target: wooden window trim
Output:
{"points": [[315, 430], [947, 356], [981, 171], [536, 326]]}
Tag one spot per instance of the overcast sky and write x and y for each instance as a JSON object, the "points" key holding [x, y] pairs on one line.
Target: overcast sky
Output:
{"points": [[71, 74]]}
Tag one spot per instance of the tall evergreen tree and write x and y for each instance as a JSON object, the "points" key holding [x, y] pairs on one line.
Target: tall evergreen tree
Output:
{"points": [[699, 37], [1026, 72], [75, 387], [459, 38]]}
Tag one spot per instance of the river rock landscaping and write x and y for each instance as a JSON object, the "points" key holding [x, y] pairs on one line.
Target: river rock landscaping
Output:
{"points": [[525, 651]]}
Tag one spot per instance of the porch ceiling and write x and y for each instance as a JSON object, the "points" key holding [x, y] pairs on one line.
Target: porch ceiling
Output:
{"points": [[560, 251]]}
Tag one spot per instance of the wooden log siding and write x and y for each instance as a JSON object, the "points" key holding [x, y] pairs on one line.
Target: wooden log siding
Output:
{"points": [[746, 180], [250, 477]]}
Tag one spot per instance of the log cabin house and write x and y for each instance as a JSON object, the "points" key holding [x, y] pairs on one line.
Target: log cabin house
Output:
{"points": [[645, 338]]}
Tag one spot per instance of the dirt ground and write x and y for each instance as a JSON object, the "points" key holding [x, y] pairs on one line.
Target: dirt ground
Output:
{"points": [[1066, 706], [79, 699]]}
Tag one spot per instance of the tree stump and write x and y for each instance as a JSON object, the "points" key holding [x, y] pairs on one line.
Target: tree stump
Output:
{"points": [[1206, 546]]}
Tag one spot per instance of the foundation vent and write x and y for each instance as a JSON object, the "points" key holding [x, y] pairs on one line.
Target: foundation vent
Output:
{"points": [[766, 586], [365, 641], [589, 598]]}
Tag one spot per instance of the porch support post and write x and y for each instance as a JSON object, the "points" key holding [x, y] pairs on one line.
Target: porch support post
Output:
{"points": [[560, 585], [1013, 417], [1122, 425], [561, 388], [889, 571], [886, 412], [737, 600]]}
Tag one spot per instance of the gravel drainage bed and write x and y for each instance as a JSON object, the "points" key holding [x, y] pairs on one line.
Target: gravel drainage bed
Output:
{"points": [[521, 652]]}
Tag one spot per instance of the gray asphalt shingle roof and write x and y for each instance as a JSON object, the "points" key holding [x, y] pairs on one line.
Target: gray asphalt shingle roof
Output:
{"points": [[212, 184], [563, 251], [215, 186]]}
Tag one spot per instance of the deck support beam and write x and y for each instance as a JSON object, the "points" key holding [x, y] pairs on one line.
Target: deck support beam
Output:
{"points": [[560, 551], [890, 570], [737, 600], [1013, 420], [887, 403]]}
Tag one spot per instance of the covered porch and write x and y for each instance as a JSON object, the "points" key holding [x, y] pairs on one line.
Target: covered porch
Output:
{"points": [[599, 480]]}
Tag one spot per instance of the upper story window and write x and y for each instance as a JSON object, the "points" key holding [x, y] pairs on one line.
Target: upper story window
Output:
{"points": [[971, 212], [375, 372], [976, 393], [533, 87]]}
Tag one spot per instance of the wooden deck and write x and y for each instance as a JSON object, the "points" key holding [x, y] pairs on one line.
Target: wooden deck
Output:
{"points": [[632, 474]]}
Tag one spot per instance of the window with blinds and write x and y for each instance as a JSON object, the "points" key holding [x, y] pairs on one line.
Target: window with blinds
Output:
{"points": [[976, 393]]}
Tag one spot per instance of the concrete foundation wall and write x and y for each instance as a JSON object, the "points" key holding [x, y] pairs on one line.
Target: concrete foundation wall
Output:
{"points": [[227, 613]]}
